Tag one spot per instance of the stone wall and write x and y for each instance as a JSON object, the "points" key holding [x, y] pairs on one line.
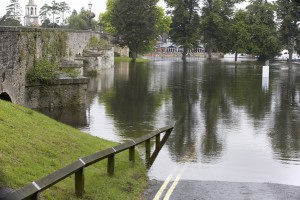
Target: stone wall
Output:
{"points": [[20, 47], [63, 92], [121, 51], [12, 69], [98, 59]]}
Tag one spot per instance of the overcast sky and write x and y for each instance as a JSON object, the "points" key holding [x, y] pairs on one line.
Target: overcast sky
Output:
{"points": [[98, 7]]}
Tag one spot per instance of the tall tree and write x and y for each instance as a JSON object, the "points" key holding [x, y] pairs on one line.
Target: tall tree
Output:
{"points": [[135, 24], [239, 35], [64, 7], [264, 36], [14, 10], [288, 14], [216, 19], [185, 26], [105, 18], [80, 21], [54, 9]]}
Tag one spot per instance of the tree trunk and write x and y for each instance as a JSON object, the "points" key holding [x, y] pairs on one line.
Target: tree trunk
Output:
{"points": [[184, 54], [235, 56], [133, 56], [210, 49], [291, 49]]}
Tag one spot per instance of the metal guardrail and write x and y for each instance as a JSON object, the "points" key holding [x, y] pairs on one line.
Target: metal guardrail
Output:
{"points": [[32, 191]]}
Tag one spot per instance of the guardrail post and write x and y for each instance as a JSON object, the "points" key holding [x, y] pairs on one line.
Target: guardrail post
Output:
{"points": [[111, 165], [148, 151], [132, 154], [79, 183], [157, 141]]}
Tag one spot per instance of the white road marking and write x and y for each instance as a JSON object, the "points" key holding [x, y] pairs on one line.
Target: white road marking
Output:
{"points": [[164, 185], [171, 189]]}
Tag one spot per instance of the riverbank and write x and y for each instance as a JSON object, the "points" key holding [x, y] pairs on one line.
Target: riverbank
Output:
{"points": [[128, 59], [33, 146]]}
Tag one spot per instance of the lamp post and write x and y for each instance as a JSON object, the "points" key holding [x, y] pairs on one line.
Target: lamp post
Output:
{"points": [[90, 14]]}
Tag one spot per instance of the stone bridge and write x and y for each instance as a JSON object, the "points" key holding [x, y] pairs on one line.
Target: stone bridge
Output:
{"points": [[21, 47]]}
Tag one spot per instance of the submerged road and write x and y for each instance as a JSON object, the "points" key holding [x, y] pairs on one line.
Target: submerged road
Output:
{"points": [[174, 188], [217, 190]]}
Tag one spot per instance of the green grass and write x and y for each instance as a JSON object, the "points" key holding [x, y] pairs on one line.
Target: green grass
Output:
{"points": [[33, 146], [127, 59]]}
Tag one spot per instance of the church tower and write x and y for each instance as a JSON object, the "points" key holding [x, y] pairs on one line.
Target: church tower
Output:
{"points": [[31, 15]]}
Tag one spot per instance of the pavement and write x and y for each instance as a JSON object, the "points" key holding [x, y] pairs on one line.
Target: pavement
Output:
{"points": [[218, 190]]}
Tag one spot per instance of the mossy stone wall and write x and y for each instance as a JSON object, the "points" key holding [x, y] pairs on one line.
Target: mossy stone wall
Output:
{"points": [[21, 47]]}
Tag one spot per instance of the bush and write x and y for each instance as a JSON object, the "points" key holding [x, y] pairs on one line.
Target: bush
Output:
{"points": [[98, 43], [43, 71]]}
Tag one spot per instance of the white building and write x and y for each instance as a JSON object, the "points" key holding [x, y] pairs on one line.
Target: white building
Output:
{"points": [[31, 14]]}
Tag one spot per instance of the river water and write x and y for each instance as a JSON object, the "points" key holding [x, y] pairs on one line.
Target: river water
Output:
{"points": [[230, 123]]}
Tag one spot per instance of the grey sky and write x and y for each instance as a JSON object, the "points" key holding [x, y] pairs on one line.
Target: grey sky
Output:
{"points": [[98, 7]]}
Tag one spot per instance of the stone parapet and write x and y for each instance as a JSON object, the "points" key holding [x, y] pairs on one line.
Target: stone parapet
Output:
{"points": [[64, 92]]}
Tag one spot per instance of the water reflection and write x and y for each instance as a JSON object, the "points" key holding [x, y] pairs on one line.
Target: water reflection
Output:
{"points": [[130, 102], [226, 123], [75, 117], [285, 134]]}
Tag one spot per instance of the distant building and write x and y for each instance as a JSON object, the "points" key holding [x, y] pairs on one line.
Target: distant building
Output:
{"points": [[31, 17]]}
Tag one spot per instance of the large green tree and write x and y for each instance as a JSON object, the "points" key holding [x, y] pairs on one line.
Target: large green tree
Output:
{"points": [[239, 36], [5, 21], [262, 27], [105, 18], [135, 24], [216, 21], [288, 14], [81, 21], [185, 26]]}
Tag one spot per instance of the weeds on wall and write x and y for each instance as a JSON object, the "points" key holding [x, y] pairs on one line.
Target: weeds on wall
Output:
{"points": [[41, 52], [98, 43], [43, 71]]}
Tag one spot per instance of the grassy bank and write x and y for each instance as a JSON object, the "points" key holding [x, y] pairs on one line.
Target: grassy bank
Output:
{"points": [[33, 145], [127, 59]]}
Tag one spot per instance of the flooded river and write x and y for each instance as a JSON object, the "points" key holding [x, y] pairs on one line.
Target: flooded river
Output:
{"points": [[231, 124]]}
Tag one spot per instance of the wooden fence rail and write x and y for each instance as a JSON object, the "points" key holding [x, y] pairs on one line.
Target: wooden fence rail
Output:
{"points": [[32, 191]]}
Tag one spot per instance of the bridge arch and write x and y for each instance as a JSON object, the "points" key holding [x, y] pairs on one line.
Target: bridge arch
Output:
{"points": [[4, 96]]}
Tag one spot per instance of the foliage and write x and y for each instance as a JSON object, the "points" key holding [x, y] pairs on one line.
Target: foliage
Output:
{"points": [[288, 15], [14, 10], [127, 59], [164, 21], [98, 43], [135, 25], [54, 9], [69, 72], [43, 71], [28, 136], [239, 37], [104, 19], [80, 21], [185, 24], [215, 24], [262, 27], [5, 21]]}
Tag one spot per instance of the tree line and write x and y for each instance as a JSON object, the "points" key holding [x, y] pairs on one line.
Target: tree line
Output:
{"points": [[263, 28]]}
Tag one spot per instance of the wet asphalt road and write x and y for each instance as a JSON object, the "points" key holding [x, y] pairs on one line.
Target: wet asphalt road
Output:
{"points": [[216, 190]]}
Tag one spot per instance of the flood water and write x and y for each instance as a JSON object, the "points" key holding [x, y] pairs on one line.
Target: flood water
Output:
{"points": [[230, 123]]}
